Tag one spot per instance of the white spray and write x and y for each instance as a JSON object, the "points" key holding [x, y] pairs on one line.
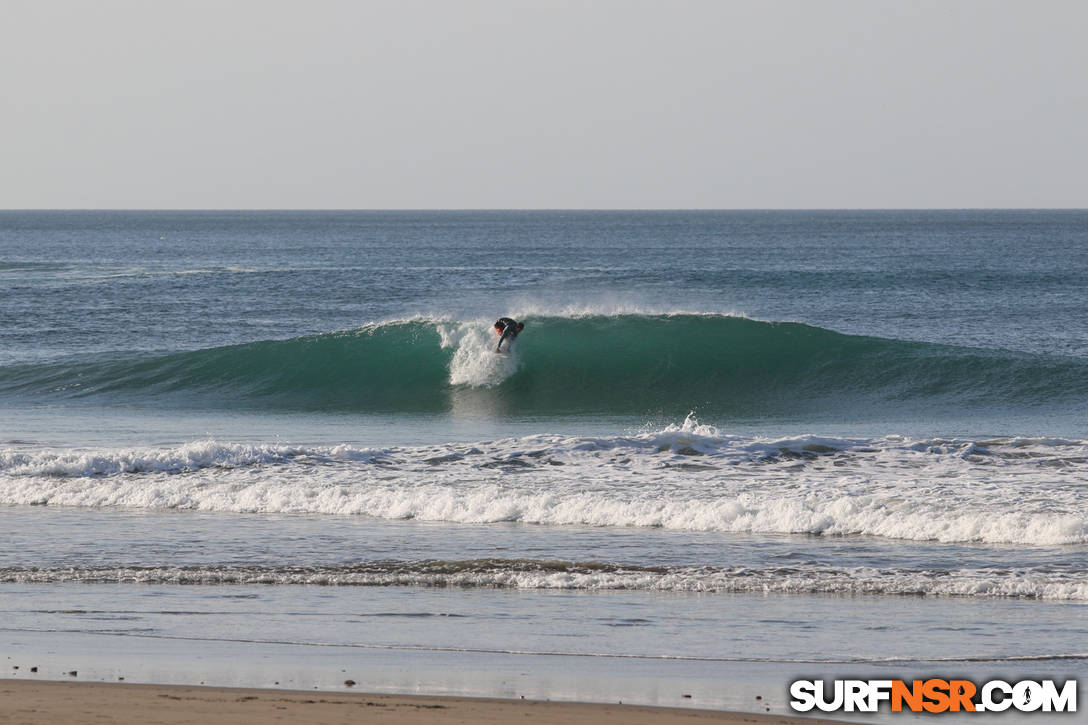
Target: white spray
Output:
{"points": [[475, 362]]}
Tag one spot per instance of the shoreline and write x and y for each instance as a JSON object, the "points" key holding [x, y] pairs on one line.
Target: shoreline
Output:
{"points": [[50, 701]]}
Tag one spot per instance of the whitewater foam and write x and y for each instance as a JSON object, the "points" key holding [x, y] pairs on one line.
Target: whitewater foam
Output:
{"points": [[685, 477], [532, 574], [475, 362]]}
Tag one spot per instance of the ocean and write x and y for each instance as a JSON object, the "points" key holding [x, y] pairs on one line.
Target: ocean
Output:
{"points": [[730, 449]]}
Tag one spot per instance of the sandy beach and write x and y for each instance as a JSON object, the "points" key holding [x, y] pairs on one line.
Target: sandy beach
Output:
{"points": [[95, 702]]}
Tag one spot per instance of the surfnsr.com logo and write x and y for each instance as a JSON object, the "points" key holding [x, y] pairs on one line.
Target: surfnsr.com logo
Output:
{"points": [[933, 696]]}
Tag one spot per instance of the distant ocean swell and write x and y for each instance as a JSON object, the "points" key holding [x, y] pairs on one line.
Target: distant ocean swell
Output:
{"points": [[690, 477], [540, 574], [621, 364]]}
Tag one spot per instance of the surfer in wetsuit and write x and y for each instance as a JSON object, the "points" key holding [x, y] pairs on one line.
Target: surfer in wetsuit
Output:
{"points": [[507, 329]]}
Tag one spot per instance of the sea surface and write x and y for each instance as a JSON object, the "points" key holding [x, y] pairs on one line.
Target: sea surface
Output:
{"points": [[730, 449]]}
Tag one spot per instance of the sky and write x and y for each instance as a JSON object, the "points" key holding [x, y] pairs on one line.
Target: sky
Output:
{"points": [[498, 104]]}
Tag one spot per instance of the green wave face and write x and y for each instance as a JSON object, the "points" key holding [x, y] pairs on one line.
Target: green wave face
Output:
{"points": [[626, 364], [385, 367], [749, 368]]}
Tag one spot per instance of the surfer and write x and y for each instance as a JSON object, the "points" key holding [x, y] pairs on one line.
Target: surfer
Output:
{"points": [[507, 329]]}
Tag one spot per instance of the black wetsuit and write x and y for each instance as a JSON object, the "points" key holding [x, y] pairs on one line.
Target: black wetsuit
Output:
{"points": [[509, 329]]}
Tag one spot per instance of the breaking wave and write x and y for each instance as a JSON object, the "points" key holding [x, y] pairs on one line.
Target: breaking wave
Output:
{"points": [[540, 574], [617, 364]]}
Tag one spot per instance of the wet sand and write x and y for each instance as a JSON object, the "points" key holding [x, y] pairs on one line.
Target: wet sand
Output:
{"points": [[23, 702]]}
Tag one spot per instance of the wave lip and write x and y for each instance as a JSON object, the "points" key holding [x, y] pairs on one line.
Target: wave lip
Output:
{"points": [[582, 364]]}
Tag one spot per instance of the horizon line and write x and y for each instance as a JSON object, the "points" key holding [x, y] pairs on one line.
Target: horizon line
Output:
{"points": [[534, 209]]}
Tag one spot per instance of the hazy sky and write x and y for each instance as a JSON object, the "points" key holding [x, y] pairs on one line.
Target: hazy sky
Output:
{"points": [[507, 104]]}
